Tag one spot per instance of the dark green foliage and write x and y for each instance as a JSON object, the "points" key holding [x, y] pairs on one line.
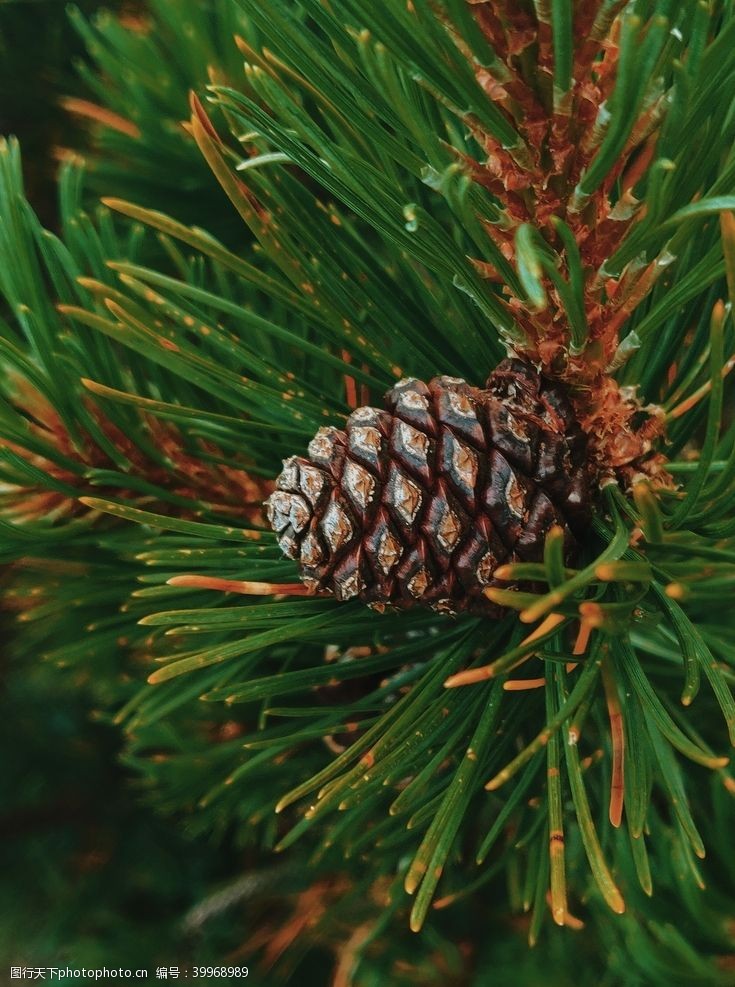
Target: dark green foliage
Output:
{"points": [[138, 73], [35, 72]]}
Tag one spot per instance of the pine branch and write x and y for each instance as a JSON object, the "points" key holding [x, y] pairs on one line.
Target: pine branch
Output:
{"points": [[422, 187]]}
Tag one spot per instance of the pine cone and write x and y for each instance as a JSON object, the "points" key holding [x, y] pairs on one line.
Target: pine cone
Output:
{"points": [[419, 504]]}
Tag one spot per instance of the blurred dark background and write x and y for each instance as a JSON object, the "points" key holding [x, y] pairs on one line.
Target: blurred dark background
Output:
{"points": [[38, 48]]}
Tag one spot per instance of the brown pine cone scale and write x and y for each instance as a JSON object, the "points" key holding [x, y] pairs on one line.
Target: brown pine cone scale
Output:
{"points": [[420, 502]]}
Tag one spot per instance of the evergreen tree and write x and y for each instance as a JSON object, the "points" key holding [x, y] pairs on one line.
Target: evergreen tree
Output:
{"points": [[525, 737]]}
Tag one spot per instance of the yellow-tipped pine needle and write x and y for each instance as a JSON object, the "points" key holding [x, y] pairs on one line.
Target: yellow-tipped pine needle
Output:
{"points": [[617, 736], [522, 685], [245, 587], [610, 572], [101, 115], [472, 675], [676, 591]]}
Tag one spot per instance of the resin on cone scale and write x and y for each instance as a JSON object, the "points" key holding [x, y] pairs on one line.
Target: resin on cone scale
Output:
{"points": [[419, 503]]}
